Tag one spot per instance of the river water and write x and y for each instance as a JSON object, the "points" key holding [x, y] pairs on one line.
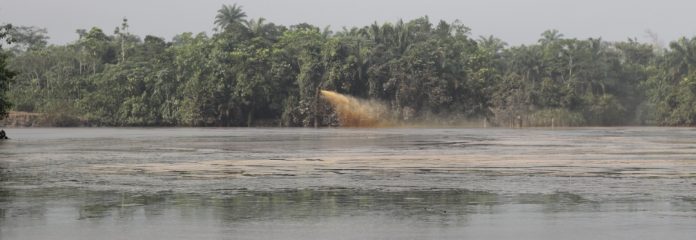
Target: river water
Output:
{"points": [[275, 183]]}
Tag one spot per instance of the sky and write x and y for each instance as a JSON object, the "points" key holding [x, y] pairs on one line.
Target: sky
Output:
{"points": [[514, 21]]}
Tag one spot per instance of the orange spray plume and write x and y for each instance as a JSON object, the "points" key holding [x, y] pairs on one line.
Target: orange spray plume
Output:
{"points": [[353, 112]]}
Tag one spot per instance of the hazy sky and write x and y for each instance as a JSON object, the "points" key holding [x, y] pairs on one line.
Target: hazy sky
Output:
{"points": [[515, 21]]}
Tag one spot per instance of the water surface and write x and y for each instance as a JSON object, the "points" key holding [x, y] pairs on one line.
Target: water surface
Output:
{"points": [[246, 183]]}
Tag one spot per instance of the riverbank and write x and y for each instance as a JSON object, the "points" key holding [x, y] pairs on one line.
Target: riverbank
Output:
{"points": [[541, 119], [22, 119]]}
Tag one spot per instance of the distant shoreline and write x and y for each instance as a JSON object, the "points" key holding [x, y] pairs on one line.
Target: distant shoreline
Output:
{"points": [[38, 120]]}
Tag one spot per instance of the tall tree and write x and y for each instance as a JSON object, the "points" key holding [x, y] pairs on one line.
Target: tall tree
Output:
{"points": [[6, 75], [229, 16], [26, 38]]}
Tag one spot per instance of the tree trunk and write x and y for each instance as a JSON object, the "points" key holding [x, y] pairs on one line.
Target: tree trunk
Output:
{"points": [[250, 116], [316, 109]]}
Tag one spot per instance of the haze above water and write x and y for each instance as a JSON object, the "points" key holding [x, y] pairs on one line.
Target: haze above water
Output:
{"points": [[139, 183], [518, 22]]}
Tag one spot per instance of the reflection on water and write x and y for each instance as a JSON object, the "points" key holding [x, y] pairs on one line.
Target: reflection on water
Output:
{"points": [[606, 183], [322, 213], [254, 206]]}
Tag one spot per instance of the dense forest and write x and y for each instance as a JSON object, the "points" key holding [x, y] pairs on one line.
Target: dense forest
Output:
{"points": [[251, 72]]}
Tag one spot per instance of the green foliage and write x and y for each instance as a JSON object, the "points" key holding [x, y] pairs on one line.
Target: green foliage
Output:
{"points": [[253, 72], [557, 117], [229, 16], [6, 74], [671, 87], [63, 114]]}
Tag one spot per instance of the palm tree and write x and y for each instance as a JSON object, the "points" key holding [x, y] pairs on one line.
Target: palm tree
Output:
{"points": [[491, 44], [682, 56], [550, 36], [257, 27], [229, 16]]}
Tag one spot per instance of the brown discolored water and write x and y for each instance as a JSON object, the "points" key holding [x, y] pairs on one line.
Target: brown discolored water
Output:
{"points": [[246, 183]]}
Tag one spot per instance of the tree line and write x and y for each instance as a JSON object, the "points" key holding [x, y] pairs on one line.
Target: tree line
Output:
{"points": [[250, 72]]}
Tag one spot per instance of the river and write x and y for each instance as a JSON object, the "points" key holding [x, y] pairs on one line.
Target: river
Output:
{"points": [[386, 183]]}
